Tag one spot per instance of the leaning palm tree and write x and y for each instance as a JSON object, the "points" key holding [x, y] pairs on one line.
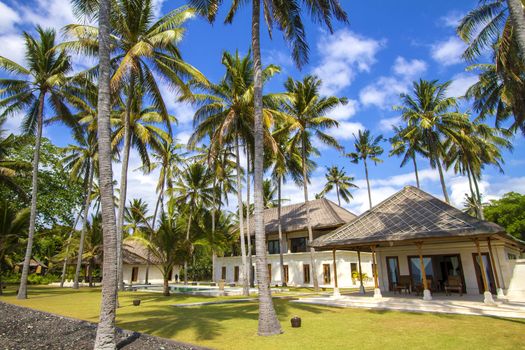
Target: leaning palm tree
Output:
{"points": [[39, 81], [287, 16], [306, 111], [12, 225], [406, 143], [431, 115], [367, 147], [192, 190], [336, 177], [144, 49]]}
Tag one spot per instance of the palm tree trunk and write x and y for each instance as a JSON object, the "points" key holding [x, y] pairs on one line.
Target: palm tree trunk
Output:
{"points": [[105, 338], [90, 274], [337, 191], [84, 225], [1, 284], [308, 223], [415, 170], [473, 196], [187, 240], [213, 253], [442, 179], [245, 279], [22, 290], [279, 227], [153, 221], [368, 184], [166, 285], [478, 195], [64, 266], [268, 322], [248, 235], [124, 182], [518, 22]]}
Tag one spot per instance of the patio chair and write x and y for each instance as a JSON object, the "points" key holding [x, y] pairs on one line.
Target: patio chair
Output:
{"points": [[454, 283], [403, 284], [430, 285]]}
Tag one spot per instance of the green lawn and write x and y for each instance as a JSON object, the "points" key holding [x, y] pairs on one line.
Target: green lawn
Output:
{"points": [[234, 326]]}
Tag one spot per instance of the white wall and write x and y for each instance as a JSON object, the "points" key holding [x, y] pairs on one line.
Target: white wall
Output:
{"points": [[295, 263], [464, 249], [155, 275], [516, 290]]}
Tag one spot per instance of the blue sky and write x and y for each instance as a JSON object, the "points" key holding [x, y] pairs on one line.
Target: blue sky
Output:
{"points": [[386, 46]]}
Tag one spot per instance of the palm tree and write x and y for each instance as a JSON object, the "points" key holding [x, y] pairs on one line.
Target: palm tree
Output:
{"points": [[226, 117], [431, 115], [105, 337], [10, 169], [518, 20], [306, 111], [193, 190], [366, 147], [406, 143], [336, 177], [12, 225], [40, 80], [141, 46], [287, 17], [136, 217]]}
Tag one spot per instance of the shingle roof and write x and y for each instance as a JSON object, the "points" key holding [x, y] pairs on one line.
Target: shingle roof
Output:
{"points": [[409, 214], [136, 253], [323, 214]]}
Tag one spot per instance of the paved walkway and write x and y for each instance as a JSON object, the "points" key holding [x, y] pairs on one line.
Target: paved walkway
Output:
{"points": [[464, 305]]}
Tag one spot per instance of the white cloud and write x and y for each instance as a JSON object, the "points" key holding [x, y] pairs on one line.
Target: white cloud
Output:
{"points": [[386, 90], [12, 47], [344, 112], [8, 18], [386, 124], [48, 13], [460, 84], [344, 53], [346, 130], [451, 19], [448, 52], [183, 137]]}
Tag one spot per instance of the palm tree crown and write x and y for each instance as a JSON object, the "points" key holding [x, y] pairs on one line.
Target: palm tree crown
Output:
{"points": [[336, 177]]}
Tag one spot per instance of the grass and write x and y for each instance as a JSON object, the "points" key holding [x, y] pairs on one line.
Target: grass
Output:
{"points": [[234, 326]]}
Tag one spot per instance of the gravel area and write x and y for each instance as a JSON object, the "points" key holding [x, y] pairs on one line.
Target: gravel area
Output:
{"points": [[27, 329]]}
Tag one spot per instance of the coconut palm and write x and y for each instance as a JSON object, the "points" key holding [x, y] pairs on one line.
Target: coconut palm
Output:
{"points": [[336, 177], [12, 225], [135, 217], [306, 113], [226, 117], [518, 20], [144, 49], [287, 17], [28, 91], [192, 190], [407, 147], [10, 169], [432, 116], [367, 147]]}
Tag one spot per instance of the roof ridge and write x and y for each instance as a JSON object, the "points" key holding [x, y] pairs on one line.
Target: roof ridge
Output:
{"points": [[326, 203]]}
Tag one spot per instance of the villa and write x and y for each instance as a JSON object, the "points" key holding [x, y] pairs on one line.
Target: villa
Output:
{"points": [[422, 244], [325, 216]]}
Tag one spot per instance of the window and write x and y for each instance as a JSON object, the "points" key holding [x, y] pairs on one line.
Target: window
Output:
{"points": [[326, 273], [236, 274], [223, 273], [392, 264], [273, 246], [134, 274], [270, 273], [285, 268], [354, 274], [298, 245], [306, 273]]}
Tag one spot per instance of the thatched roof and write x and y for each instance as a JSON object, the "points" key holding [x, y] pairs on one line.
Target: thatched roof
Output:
{"points": [[324, 214], [136, 253], [410, 214], [33, 262]]}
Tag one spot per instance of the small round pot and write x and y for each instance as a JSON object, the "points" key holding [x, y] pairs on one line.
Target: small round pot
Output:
{"points": [[136, 302], [296, 322]]}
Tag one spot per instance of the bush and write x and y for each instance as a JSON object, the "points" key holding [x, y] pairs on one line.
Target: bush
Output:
{"points": [[42, 279]]}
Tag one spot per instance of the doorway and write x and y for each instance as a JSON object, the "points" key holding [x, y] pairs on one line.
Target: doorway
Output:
{"points": [[488, 271]]}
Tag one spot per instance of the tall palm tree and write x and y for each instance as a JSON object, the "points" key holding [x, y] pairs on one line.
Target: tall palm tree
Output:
{"points": [[10, 169], [105, 337], [144, 48], [518, 20], [432, 115], [367, 147], [41, 79], [12, 225], [193, 190], [336, 177], [287, 17], [226, 117], [136, 217], [306, 111], [406, 143]]}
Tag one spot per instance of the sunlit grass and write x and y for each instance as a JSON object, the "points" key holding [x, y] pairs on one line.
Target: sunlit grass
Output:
{"points": [[234, 326]]}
